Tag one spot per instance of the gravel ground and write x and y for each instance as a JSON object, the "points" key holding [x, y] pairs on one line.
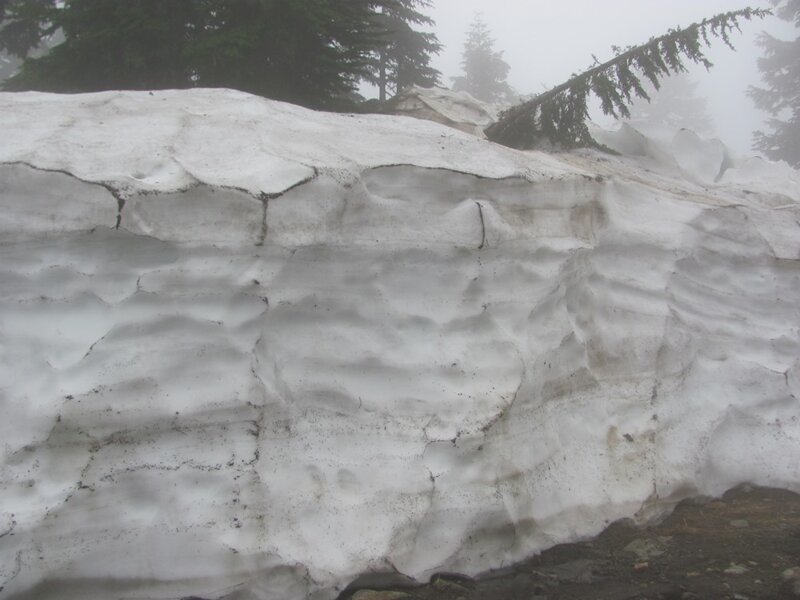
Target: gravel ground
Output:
{"points": [[743, 546]]}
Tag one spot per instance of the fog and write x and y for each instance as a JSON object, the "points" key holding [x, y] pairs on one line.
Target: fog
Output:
{"points": [[544, 42]]}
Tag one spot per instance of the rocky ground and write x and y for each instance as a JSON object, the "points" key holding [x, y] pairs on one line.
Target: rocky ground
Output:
{"points": [[745, 545]]}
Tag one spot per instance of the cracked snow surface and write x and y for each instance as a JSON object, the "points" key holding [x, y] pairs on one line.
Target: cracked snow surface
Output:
{"points": [[398, 350]]}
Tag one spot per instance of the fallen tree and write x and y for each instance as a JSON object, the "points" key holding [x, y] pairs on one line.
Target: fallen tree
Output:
{"points": [[558, 116]]}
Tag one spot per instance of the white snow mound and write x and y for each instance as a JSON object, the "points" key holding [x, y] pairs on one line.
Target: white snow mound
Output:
{"points": [[454, 109], [252, 351]]}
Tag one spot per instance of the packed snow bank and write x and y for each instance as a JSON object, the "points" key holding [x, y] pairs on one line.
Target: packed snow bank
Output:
{"points": [[223, 138], [252, 351]]}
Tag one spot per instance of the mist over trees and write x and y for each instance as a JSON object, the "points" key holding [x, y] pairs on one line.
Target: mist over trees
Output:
{"points": [[677, 104], [780, 73], [558, 117], [485, 71], [8, 66], [311, 52], [318, 53]]}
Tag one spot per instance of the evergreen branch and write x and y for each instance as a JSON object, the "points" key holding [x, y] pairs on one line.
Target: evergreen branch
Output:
{"points": [[559, 115]]}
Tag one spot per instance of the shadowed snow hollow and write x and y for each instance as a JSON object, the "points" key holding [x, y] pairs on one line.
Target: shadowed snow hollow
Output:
{"points": [[252, 351]]}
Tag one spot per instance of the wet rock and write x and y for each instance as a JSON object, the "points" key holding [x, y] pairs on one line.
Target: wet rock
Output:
{"points": [[379, 595], [736, 569], [645, 548], [740, 523], [791, 580], [450, 584], [575, 571]]}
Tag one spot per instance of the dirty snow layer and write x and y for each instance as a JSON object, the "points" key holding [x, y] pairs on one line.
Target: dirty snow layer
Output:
{"points": [[430, 354]]}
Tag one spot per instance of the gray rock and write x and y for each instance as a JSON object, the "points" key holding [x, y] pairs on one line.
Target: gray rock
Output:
{"points": [[740, 523], [736, 569], [645, 548], [791, 580], [379, 595], [574, 571], [444, 583]]}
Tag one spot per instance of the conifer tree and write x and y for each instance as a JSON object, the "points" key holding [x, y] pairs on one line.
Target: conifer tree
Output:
{"points": [[485, 71], [780, 72], [24, 24], [559, 116], [311, 52], [136, 44], [405, 56]]}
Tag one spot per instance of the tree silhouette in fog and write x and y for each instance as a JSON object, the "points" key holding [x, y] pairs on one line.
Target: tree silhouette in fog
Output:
{"points": [[485, 71], [677, 104], [780, 72]]}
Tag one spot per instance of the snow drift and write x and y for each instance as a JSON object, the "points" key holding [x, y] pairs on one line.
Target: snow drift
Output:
{"points": [[252, 351]]}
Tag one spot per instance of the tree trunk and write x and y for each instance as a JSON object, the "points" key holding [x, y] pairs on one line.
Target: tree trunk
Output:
{"points": [[382, 78]]}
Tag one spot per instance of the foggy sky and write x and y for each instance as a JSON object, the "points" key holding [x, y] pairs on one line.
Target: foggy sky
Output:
{"points": [[545, 41]]}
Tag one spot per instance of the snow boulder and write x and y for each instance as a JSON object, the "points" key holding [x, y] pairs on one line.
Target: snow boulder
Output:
{"points": [[459, 110], [251, 351]]}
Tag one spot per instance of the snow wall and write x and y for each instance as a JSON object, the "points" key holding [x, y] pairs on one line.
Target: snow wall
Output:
{"points": [[250, 351]]}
